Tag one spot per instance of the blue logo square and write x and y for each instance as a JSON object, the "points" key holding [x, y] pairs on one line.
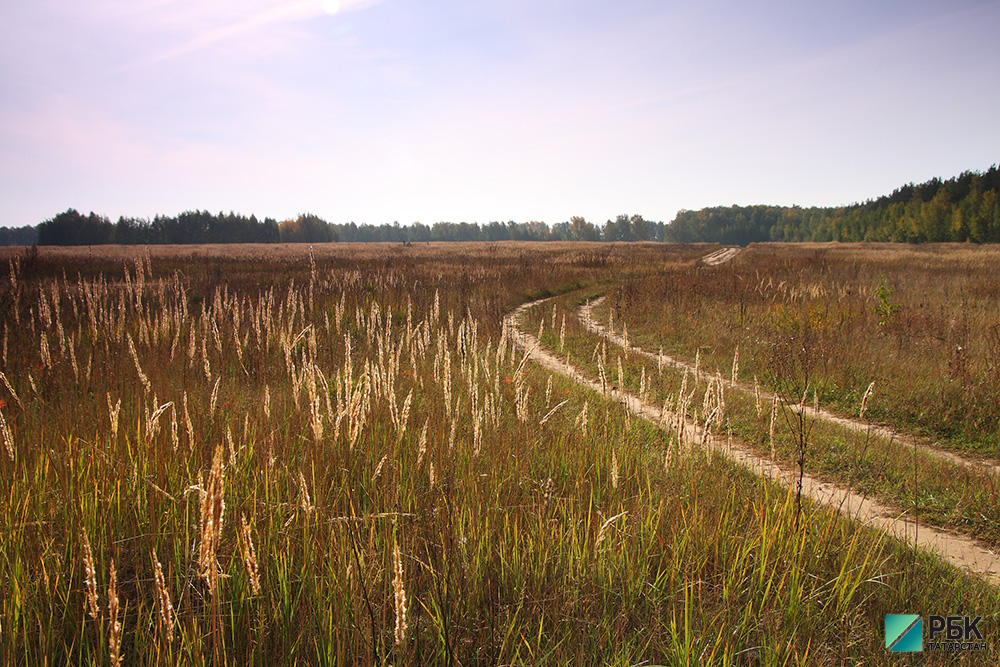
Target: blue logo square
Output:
{"points": [[904, 633]]}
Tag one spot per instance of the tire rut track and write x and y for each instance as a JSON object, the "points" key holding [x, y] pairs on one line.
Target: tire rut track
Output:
{"points": [[954, 548]]}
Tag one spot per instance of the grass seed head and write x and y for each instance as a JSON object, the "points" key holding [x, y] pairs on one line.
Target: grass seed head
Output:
{"points": [[135, 360], [614, 469], [756, 395], [213, 508], [304, 502], [422, 447], [115, 629], [163, 603], [864, 400], [8, 437], [378, 468], [399, 596], [606, 528], [249, 556], [90, 577], [7, 384], [43, 349], [214, 398]]}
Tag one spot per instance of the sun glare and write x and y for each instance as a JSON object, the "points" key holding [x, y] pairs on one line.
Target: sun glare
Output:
{"points": [[331, 6]]}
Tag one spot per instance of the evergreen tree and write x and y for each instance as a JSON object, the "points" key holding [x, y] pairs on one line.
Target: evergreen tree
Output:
{"points": [[26, 235]]}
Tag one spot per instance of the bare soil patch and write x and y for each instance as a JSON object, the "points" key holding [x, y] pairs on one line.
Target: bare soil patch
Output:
{"points": [[720, 256]]}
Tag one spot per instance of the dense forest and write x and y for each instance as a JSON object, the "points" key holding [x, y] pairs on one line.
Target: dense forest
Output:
{"points": [[964, 208], [27, 235], [622, 228], [73, 228]]}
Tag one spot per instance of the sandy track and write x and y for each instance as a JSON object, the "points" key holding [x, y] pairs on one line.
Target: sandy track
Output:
{"points": [[956, 549], [720, 256]]}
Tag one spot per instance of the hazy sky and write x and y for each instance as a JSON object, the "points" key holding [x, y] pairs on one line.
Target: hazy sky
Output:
{"points": [[481, 110]]}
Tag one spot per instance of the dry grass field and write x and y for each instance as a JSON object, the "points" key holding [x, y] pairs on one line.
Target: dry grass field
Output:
{"points": [[340, 455]]}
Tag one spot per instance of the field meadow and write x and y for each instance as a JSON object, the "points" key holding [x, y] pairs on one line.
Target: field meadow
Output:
{"points": [[240, 455]]}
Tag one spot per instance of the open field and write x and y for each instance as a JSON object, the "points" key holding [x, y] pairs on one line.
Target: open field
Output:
{"points": [[679, 417], [922, 322], [341, 455]]}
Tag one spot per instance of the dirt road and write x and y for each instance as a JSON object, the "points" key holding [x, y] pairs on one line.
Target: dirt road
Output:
{"points": [[956, 549], [720, 256]]}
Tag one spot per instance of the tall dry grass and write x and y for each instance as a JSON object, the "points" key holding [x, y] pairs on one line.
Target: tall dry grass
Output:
{"points": [[921, 321], [410, 488]]}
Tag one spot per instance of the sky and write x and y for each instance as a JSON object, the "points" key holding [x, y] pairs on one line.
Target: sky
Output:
{"points": [[478, 110]]}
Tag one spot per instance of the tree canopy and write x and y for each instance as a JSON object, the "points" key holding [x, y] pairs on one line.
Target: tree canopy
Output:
{"points": [[73, 228], [27, 235], [964, 208]]}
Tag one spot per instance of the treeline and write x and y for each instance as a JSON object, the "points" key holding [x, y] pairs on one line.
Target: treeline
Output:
{"points": [[27, 235], [964, 208], [73, 228], [623, 228]]}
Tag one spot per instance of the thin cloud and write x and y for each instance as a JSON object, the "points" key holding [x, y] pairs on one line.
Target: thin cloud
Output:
{"points": [[288, 12]]}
